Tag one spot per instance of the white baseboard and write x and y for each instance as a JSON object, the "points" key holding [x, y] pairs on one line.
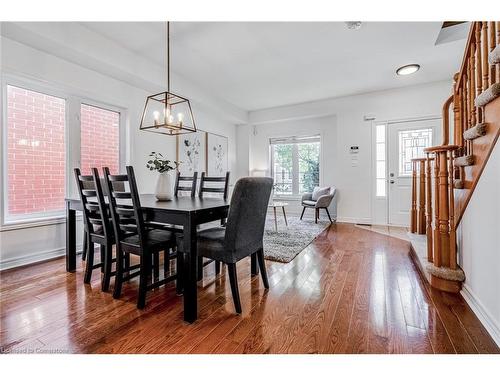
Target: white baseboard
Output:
{"points": [[354, 220], [491, 325], [26, 259]]}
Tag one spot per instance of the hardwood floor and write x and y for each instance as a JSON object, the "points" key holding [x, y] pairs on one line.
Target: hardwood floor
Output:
{"points": [[350, 291]]}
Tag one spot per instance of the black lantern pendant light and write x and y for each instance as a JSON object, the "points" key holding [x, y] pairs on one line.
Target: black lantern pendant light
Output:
{"points": [[167, 113]]}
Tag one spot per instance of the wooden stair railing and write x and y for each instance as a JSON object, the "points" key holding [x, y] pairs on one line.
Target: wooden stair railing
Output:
{"points": [[456, 168]]}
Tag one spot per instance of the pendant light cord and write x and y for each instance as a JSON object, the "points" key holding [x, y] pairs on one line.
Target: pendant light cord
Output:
{"points": [[168, 55]]}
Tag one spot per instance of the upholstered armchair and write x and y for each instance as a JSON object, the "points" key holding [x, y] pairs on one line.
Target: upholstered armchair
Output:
{"points": [[320, 198]]}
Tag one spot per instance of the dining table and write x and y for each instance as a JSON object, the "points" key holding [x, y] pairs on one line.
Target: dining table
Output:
{"points": [[188, 212]]}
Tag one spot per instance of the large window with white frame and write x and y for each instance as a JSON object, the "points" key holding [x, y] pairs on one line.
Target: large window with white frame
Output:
{"points": [[295, 164], [39, 140]]}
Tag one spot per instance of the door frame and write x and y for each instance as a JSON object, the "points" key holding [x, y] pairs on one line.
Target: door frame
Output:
{"points": [[373, 194]]}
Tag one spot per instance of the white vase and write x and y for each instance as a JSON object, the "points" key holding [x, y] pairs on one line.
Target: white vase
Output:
{"points": [[164, 188]]}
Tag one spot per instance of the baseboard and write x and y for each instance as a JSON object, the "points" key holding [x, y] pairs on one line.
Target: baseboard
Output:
{"points": [[26, 259], [484, 317], [354, 220]]}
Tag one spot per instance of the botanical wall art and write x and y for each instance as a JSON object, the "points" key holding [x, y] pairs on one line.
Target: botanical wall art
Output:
{"points": [[191, 152], [216, 155]]}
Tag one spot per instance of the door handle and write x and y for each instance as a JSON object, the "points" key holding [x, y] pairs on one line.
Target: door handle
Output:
{"points": [[391, 181]]}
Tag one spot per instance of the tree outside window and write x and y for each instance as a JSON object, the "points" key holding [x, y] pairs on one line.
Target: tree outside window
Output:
{"points": [[295, 166]]}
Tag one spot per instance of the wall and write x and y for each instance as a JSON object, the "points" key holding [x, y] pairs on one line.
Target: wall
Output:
{"points": [[341, 121], [478, 239], [26, 243]]}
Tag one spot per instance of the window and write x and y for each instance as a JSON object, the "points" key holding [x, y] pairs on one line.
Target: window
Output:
{"points": [[43, 144], [411, 145], [295, 164], [100, 139], [36, 153], [380, 161]]}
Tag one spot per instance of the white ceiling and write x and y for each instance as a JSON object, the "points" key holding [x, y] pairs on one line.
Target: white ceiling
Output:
{"points": [[257, 65]]}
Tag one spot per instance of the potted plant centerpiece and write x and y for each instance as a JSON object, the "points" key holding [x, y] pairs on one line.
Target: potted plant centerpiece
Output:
{"points": [[164, 183]]}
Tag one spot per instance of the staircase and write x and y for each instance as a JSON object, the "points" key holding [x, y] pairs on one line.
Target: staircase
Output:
{"points": [[444, 181]]}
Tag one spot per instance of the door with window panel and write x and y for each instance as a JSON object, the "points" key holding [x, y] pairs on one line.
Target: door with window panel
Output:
{"points": [[407, 140]]}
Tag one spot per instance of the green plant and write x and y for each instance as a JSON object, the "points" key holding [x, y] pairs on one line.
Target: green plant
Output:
{"points": [[160, 164]]}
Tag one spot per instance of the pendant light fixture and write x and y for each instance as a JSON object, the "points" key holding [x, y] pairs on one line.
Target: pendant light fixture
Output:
{"points": [[167, 113]]}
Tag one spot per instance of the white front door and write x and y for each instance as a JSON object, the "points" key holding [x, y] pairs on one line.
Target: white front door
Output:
{"points": [[406, 140]]}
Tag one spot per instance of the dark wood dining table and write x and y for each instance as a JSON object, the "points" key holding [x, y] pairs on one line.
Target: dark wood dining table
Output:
{"points": [[186, 211]]}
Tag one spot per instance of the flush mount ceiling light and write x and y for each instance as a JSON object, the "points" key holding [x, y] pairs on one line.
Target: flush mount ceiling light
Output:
{"points": [[353, 25], [407, 69], [167, 113]]}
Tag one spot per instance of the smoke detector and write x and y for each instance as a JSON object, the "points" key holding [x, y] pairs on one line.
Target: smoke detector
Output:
{"points": [[353, 25]]}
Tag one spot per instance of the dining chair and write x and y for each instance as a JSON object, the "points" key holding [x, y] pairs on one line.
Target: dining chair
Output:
{"points": [[98, 228], [244, 231], [134, 237], [217, 189], [179, 187], [119, 186]]}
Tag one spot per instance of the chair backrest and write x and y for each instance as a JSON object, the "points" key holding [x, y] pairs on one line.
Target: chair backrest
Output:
{"points": [[95, 212], [247, 214], [125, 206], [193, 179], [224, 181]]}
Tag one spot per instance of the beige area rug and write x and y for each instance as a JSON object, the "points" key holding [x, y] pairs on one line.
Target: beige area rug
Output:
{"points": [[286, 243]]}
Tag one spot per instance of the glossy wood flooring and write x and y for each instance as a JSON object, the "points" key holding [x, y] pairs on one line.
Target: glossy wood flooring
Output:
{"points": [[350, 291]]}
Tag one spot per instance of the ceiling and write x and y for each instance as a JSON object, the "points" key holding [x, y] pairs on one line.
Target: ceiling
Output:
{"points": [[257, 65]]}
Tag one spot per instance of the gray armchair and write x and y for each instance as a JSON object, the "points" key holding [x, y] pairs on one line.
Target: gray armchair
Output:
{"points": [[319, 198]]}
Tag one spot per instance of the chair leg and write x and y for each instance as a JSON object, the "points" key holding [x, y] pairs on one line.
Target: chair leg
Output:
{"points": [[179, 269], [126, 259], [90, 262], [85, 245], [108, 261], [119, 273], [233, 279], [254, 270], [103, 255], [262, 265], [302, 214], [328, 213], [217, 267], [143, 279], [316, 216], [199, 269]]}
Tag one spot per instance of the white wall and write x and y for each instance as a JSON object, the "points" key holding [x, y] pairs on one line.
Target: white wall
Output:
{"points": [[479, 247], [20, 245], [341, 123]]}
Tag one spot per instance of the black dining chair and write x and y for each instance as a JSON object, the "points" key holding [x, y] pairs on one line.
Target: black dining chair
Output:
{"points": [[180, 187], [244, 231], [97, 224], [216, 185], [134, 237]]}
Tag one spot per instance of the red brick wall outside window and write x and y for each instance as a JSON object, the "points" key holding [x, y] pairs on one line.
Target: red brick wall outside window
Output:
{"points": [[100, 139], [36, 152]]}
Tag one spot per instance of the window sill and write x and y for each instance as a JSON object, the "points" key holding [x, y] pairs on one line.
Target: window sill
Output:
{"points": [[32, 223]]}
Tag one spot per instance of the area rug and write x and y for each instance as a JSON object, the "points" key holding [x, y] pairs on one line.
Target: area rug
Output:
{"points": [[284, 245]]}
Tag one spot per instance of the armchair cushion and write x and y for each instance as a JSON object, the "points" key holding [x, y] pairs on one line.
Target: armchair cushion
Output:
{"points": [[319, 191], [308, 203]]}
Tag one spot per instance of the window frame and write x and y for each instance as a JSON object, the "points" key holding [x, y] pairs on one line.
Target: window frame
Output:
{"points": [[315, 138], [72, 131]]}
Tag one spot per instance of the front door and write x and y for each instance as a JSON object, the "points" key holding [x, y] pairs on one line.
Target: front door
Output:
{"points": [[406, 140]]}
